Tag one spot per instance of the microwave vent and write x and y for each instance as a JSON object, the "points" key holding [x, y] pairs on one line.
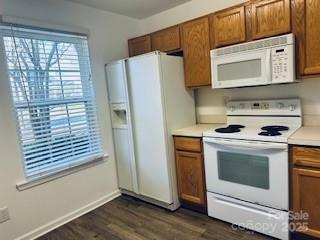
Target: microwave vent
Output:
{"points": [[271, 42]]}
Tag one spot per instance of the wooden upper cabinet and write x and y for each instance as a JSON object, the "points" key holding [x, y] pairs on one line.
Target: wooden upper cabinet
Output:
{"points": [[139, 45], [306, 198], [166, 40], [305, 23], [228, 26], [190, 176], [196, 52], [270, 18]]}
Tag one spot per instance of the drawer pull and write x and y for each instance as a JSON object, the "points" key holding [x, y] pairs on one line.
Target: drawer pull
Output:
{"points": [[188, 144], [307, 163]]}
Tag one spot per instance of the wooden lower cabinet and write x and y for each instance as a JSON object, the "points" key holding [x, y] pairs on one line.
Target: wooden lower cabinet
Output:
{"points": [[190, 175], [306, 198], [306, 189], [306, 157], [188, 144]]}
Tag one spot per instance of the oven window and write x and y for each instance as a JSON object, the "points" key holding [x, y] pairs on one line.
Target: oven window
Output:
{"points": [[244, 169], [240, 70]]}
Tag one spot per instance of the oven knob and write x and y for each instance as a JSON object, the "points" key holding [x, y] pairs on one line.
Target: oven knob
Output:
{"points": [[292, 108], [241, 106], [280, 105]]}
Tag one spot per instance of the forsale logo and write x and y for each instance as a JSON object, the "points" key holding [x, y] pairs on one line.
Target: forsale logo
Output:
{"points": [[276, 222]]}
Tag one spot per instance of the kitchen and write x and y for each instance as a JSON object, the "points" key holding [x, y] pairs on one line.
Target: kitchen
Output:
{"points": [[176, 127]]}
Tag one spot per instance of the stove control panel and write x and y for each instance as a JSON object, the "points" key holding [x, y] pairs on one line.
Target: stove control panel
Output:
{"points": [[282, 107], [260, 105]]}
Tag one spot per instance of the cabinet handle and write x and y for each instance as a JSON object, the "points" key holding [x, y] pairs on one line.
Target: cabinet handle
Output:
{"points": [[307, 163]]}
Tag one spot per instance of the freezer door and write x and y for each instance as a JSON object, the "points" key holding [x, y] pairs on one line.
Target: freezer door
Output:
{"points": [[149, 131], [121, 124], [116, 80], [123, 157]]}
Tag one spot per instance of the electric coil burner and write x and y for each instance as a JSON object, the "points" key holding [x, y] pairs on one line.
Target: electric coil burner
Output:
{"points": [[233, 128], [236, 126], [270, 133], [227, 130], [274, 130]]}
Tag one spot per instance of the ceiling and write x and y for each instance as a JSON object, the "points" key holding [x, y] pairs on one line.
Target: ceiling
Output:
{"points": [[132, 8]]}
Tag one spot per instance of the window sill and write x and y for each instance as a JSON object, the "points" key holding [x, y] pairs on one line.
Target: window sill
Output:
{"points": [[30, 183]]}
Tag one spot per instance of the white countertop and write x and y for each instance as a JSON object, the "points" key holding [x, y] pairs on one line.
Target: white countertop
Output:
{"points": [[309, 136], [195, 130]]}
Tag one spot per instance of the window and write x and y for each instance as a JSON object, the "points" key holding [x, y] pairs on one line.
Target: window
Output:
{"points": [[53, 96]]}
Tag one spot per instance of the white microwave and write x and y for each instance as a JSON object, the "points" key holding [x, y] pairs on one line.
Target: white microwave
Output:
{"points": [[262, 62]]}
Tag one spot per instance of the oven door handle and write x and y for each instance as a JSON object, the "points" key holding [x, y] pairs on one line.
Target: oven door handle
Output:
{"points": [[247, 145]]}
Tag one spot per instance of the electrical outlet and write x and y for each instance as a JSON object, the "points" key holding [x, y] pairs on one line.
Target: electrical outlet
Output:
{"points": [[4, 215]]}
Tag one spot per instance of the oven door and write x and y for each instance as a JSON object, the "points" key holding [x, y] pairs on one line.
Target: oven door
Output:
{"points": [[241, 69], [252, 171]]}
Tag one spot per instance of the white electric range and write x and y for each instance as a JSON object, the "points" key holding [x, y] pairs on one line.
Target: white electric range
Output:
{"points": [[247, 165]]}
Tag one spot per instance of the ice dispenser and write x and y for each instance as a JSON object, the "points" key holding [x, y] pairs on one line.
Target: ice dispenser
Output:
{"points": [[119, 115]]}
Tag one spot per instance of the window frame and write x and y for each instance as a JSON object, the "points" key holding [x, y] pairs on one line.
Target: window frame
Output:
{"points": [[93, 159]]}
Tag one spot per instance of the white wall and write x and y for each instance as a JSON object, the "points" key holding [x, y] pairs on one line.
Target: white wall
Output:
{"points": [[33, 208], [212, 102], [184, 12]]}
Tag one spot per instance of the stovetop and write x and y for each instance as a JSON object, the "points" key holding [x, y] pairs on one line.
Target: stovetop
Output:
{"points": [[253, 132], [261, 120]]}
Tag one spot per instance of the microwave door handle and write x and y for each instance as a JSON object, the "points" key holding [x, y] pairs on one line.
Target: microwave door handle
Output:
{"points": [[268, 65], [247, 145]]}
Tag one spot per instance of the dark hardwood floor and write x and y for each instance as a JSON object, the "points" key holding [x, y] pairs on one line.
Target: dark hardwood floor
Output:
{"points": [[126, 218]]}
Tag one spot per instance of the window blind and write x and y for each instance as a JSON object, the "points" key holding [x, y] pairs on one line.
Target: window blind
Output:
{"points": [[54, 101]]}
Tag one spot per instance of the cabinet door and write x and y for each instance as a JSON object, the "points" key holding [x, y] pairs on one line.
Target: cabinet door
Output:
{"points": [[306, 198], [270, 18], [139, 45], [166, 40], [306, 22], [190, 176], [229, 26], [196, 52]]}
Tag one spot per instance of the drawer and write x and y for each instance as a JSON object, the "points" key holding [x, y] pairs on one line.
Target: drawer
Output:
{"points": [[245, 214], [188, 144], [306, 156]]}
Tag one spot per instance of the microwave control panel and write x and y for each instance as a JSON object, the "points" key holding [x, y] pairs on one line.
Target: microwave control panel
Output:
{"points": [[282, 61]]}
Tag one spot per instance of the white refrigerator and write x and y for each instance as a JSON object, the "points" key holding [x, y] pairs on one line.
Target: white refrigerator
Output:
{"points": [[148, 100]]}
